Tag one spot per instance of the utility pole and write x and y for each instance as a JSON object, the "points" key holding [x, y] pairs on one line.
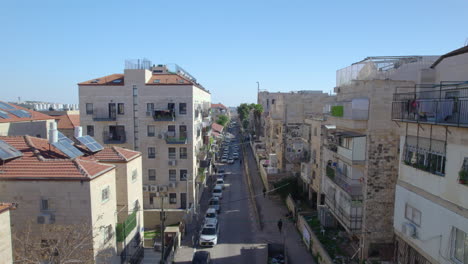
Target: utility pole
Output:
{"points": [[163, 219]]}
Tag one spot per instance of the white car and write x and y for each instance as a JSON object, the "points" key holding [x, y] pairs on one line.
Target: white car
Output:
{"points": [[211, 214], [217, 192], [224, 160], [220, 182], [209, 234], [230, 161]]}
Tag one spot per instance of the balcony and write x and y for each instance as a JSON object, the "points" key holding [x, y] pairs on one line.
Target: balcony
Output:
{"points": [[164, 115], [442, 104], [352, 147], [176, 140], [114, 138], [101, 115], [351, 186]]}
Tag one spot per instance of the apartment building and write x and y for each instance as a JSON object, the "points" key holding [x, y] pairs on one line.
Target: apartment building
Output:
{"points": [[6, 249], [360, 150], [18, 121], [161, 111], [283, 117], [431, 198], [61, 185], [219, 109]]}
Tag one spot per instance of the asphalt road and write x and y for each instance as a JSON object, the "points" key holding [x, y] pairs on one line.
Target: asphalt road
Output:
{"points": [[237, 242]]}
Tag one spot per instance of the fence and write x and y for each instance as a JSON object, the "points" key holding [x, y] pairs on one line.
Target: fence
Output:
{"points": [[312, 242]]}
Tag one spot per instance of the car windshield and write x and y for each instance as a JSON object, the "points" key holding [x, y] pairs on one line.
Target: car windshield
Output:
{"points": [[220, 181], [208, 231], [217, 191], [210, 215], [214, 202]]}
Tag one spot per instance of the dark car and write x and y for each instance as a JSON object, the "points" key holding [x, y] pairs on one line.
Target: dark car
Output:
{"points": [[201, 257]]}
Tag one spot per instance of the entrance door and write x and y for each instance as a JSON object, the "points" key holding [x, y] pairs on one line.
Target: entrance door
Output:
{"points": [[183, 201]]}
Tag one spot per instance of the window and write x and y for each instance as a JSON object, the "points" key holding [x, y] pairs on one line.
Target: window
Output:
{"points": [[183, 153], [135, 90], [105, 194], [170, 106], [151, 131], [172, 175], [460, 246], [90, 131], [134, 175], [273, 101], [172, 153], [413, 214], [173, 198], [151, 174], [150, 107], [425, 154], [120, 109], [171, 131], [315, 131], [151, 153], [89, 108], [107, 233], [44, 204], [183, 131], [183, 108], [183, 175], [151, 198]]}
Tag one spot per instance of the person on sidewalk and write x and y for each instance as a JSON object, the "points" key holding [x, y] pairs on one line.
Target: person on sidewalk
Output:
{"points": [[280, 225], [264, 192]]}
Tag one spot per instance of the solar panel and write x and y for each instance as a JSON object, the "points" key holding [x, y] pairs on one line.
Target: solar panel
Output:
{"points": [[6, 106], [8, 152], [68, 149], [21, 113], [62, 137], [4, 114], [90, 143]]}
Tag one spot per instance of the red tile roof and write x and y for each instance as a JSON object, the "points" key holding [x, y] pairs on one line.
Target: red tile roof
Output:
{"points": [[41, 160], [5, 207], [13, 118], [112, 79], [220, 105], [67, 121], [217, 127], [113, 154]]}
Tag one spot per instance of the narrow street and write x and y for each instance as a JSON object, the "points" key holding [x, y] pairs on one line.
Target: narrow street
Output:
{"points": [[238, 236]]}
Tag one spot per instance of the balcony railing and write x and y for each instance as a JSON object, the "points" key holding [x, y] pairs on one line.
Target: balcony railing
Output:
{"points": [[350, 186], [352, 220], [164, 115], [112, 138], [176, 140], [100, 115], [444, 104]]}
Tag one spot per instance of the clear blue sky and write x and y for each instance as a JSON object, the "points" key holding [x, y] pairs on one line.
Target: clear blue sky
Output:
{"points": [[47, 47]]}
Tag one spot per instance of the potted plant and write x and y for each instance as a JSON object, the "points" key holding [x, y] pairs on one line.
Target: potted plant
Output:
{"points": [[463, 177]]}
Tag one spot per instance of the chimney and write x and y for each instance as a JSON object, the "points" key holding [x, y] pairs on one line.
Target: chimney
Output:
{"points": [[78, 131], [53, 133]]}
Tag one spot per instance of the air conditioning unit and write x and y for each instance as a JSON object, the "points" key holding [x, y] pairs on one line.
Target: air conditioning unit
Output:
{"points": [[162, 188], [145, 188], [409, 229], [153, 188], [46, 219], [172, 162]]}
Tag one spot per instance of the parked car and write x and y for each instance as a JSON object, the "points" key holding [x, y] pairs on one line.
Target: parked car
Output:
{"points": [[201, 257], [220, 182], [224, 160], [217, 192], [214, 203], [230, 161], [209, 234], [221, 171], [211, 214], [235, 156], [220, 176]]}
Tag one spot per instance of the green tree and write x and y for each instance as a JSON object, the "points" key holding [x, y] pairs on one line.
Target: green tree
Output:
{"points": [[222, 120]]}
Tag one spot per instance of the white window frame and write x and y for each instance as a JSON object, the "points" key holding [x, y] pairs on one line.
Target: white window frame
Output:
{"points": [[108, 194], [464, 249], [411, 214], [149, 179], [134, 175]]}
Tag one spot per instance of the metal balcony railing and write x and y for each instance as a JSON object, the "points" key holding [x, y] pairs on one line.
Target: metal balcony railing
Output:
{"points": [[444, 104], [100, 115], [114, 138], [352, 220], [164, 115], [350, 186]]}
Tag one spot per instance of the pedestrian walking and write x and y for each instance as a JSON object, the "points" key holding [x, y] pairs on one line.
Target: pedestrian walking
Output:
{"points": [[264, 192], [280, 225], [240, 161]]}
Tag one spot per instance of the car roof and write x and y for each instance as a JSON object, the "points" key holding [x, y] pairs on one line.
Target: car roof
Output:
{"points": [[201, 255], [210, 221], [218, 187], [214, 198], [210, 210]]}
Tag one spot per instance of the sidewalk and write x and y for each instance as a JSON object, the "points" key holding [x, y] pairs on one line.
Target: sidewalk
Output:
{"points": [[270, 210]]}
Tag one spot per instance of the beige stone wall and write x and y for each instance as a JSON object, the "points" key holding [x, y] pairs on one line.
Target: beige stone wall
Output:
{"points": [[6, 250], [34, 128]]}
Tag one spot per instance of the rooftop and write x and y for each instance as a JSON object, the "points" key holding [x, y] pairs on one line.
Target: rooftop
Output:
{"points": [[218, 105], [10, 113], [68, 121], [42, 161], [5, 207]]}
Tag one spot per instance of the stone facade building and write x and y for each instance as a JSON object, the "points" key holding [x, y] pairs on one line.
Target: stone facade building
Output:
{"points": [[163, 112]]}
